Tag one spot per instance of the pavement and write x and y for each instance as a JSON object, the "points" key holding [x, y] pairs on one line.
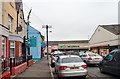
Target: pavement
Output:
{"points": [[39, 70]]}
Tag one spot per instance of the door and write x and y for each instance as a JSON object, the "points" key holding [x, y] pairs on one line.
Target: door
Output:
{"points": [[116, 63], [108, 62]]}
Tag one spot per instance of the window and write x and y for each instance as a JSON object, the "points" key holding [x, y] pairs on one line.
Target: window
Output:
{"points": [[12, 49], [58, 60], [3, 47], [71, 60], [110, 56], [10, 22], [84, 55]]}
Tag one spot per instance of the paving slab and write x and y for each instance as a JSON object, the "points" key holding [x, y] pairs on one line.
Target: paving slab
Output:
{"points": [[39, 70]]}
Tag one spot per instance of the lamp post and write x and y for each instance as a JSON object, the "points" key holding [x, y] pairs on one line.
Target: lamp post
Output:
{"points": [[47, 26]]}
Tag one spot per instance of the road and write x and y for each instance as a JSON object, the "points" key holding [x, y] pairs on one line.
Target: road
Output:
{"points": [[94, 73]]}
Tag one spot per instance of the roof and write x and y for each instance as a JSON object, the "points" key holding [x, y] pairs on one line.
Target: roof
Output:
{"points": [[67, 42], [115, 29]]}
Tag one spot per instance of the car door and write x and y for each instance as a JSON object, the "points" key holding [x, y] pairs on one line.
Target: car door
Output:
{"points": [[57, 64], [108, 62], [113, 66], [116, 63]]}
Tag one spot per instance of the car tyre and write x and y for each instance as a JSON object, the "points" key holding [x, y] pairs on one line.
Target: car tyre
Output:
{"points": [[84, 77], [101, 69]]}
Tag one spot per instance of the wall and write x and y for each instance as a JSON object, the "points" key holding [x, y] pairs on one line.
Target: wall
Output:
{"points": [[35, 51], [102, 36], [11, 10], [0, 12]]}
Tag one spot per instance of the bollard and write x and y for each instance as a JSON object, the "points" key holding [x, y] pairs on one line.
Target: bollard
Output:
{"points": [[11, 66]]}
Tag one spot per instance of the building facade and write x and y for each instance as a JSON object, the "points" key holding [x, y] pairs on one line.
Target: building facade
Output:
{"points": [[12, 31], [35, 43], [73, 45], [105, 39]]}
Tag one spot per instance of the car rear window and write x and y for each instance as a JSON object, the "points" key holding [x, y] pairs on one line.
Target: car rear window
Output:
{"points": [[84, 55], [71, 60], [58, 54]]}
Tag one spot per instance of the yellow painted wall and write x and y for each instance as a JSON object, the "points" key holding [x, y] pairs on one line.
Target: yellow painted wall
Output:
{"points": [[9, 8]]}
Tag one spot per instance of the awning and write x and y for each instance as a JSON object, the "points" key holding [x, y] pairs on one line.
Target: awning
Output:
{"points": [[4, 31], [15, 37], [98, 46]]}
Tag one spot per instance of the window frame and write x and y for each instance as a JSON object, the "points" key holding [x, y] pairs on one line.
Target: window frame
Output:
{"points": [[10, 22], [13, 55], [4, 43]]}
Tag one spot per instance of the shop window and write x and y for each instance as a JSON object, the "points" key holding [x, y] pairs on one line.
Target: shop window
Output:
{"points": [[3, 46], [12, 49], [10, 22]]}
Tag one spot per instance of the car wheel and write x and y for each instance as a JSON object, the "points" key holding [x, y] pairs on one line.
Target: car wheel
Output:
{"points": [[101, 69], [59, 78], [84, 77]]}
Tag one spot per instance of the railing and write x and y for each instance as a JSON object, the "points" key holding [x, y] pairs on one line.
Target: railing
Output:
{"points": [[29, 57], [17, 61], [4, 65], [7, 64]]}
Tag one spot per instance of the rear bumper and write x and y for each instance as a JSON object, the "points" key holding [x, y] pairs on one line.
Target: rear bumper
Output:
{"points": [[93, 62], [72, 73]]}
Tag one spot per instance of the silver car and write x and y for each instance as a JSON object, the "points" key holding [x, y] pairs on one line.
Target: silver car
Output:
{"points": [[91, 58], [54, 57], [70, 65]]}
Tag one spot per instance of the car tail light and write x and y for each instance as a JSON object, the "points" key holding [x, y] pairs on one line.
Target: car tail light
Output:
{"points": [[62, 67], [84, 66], [89, 58], [52, 58]]}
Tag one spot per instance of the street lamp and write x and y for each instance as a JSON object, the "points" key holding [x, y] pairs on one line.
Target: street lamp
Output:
{"points": [[47, 26]]}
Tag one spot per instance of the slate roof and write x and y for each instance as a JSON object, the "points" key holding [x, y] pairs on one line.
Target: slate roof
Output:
{"points": [[115, 29]]}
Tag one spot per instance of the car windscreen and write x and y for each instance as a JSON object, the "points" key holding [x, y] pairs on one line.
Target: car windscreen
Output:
{"points": [[58, 54], [71, 60]]}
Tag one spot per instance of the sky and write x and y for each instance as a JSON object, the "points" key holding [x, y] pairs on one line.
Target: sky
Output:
{"points": [[71, 19]]}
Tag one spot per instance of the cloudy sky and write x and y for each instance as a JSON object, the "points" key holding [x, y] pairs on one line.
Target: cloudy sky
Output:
{"points": [[71, 19]]}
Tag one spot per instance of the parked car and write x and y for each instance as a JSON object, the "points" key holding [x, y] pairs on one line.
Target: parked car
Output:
{"points": [[111, 63], [70, 65], [54, 57], [80, 53], [91, 58]]}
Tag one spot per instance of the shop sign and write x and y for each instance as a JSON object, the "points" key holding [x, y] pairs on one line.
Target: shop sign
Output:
{"points": [[32, 41]]}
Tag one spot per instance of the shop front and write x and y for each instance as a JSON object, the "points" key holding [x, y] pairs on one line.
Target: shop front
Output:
{"points": [[101, 49], [4, 53], [18, 64]]}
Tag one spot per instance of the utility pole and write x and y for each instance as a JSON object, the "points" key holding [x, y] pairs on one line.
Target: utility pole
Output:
{"points": [[47, 26], [47, 39]]}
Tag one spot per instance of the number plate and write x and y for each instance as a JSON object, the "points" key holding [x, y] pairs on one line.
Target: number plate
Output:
{"points": [[74, 67]]}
